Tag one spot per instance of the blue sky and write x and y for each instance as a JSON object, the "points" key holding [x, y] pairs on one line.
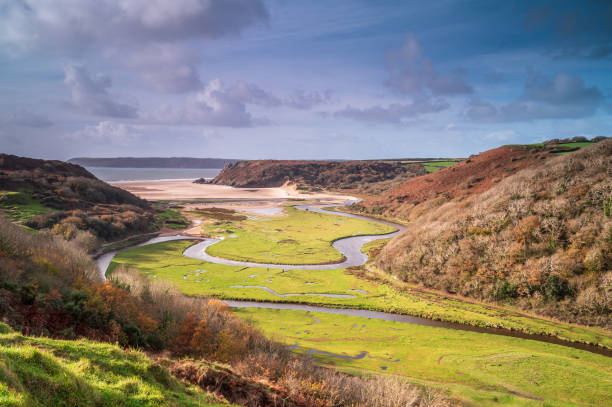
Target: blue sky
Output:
{"points": [[291, 79]]}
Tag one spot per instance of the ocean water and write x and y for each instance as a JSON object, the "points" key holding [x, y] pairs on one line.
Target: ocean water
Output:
{"points": [[152, 174]]}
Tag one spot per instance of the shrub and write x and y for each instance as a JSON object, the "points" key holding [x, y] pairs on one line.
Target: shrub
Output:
{"points": [[505, 290], [607, 207], [555, 288]]}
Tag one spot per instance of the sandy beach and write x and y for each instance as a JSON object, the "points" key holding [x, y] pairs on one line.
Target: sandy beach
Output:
{"points": [[186, 190]]}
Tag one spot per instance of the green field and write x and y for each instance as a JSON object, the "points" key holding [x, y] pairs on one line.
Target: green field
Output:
{"points": [[298, 237], [480, 369], [20, 206], [434, 166], [573, 145], [195, 277], [577, 144], [172, 219], [49, 372]]}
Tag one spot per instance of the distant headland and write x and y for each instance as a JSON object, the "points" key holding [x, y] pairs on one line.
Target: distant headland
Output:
{"points": [[152, 162]]}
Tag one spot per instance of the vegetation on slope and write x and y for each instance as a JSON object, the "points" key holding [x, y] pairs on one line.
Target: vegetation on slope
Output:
{"points": [[540, 239], [20, 207], [318, 174], [74, 204], [60, 185], [68, 199], [469, 177], [51, 287], [38, 371]]}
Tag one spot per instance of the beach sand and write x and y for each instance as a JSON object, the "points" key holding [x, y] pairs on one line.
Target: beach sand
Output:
{"points": [[187, 190]]}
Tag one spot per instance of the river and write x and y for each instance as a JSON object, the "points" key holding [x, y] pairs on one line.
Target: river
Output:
{"points": [[350, 247]]}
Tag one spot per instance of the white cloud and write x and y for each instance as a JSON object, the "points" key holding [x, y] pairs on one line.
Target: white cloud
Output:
{"points": [[226, 106], [90, 93], [143, 35], [393, 113], [252, 94], [307, 100], [166, 67], [67, 26], [413, 73], [213, 106], [106, 132]]}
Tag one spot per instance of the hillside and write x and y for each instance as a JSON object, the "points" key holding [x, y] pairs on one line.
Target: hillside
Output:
{"points": [[60, 185], [70, 200], [47, 372], [315, 174], [515, 225], [465, 178], [50, 287], [152, 162]]}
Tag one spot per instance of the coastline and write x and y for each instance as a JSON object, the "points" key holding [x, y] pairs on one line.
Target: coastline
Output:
{"points": [[188, 190]]}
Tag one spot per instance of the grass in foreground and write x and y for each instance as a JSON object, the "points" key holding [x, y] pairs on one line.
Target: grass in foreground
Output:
{"points": [[194, 277], [478, 368], [299, 237], [48, 372], [20, 206]]}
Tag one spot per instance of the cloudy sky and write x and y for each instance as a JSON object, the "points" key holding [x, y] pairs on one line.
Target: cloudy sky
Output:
{"points": [[300, 79]]}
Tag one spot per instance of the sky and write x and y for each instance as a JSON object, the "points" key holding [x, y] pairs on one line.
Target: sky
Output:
{"points": [[286, 79]]}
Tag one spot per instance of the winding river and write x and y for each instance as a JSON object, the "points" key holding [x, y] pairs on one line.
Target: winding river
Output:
{"points": [[350, 247]]}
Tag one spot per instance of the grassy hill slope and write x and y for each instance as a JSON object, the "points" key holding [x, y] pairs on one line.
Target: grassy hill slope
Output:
{"points": [[50, 372]]}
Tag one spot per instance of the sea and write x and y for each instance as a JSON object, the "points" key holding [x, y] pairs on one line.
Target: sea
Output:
{"points": [[152, 174]]}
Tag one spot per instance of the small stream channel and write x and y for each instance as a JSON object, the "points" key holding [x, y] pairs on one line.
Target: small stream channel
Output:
{"points": [[350, 247]]}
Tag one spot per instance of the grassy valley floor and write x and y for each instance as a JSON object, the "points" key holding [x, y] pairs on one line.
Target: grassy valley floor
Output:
{"points": [[296, 237], [479, 369], [194, 277]]}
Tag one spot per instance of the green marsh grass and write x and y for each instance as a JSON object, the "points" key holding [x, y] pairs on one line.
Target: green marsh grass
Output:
{"points": [[297, 237], [480, 369], [166, 261]]}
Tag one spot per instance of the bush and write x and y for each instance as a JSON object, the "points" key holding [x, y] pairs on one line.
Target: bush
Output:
{"points": [[506, 290]]}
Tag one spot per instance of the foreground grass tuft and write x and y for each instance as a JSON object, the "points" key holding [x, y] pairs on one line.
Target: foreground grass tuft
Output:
{"points": [[48, 372]]}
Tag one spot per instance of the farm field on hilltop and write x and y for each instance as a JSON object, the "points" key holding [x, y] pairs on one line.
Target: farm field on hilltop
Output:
{"points": [[194, 277], [434, 166], [297, 237], [477, 368]]}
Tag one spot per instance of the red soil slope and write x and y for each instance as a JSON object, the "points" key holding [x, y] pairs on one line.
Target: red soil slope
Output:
{"points": [[472, 176]]}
